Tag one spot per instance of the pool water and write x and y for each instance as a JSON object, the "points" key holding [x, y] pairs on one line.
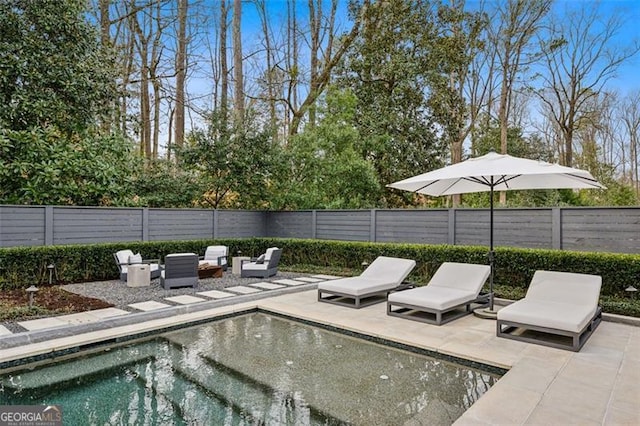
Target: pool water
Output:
{"points": [[251, 369]]}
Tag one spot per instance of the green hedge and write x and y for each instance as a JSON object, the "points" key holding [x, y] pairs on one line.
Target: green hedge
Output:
{"points": [[23, 266]]}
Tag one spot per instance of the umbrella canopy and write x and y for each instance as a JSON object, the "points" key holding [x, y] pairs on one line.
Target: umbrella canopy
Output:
{"points": [[496, 172]]}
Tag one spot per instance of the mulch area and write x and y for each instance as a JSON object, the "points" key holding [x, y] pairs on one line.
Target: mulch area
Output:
{"points": [[51, 299]]}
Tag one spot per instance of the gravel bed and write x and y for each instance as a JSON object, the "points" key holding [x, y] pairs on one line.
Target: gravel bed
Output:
{"points": [[117, 293]]}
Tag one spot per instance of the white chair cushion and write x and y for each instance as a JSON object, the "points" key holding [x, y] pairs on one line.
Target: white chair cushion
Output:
{"points": [[214, 252], [123, 256], [253, 266], [391, 269], [135, 259], [357, 286], [433, 297], [556, 315], [268, 253], [467, 277], [565, 287]]}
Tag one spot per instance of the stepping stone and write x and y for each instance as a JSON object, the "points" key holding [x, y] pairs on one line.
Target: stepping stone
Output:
{"points": [[4, 331], [215, 294], [309, 279], [39, 324], [266, 286], [287, 281], [107, 313], [242, 289], [149, 306], [326, 277], [79, 318], [184, 299]]}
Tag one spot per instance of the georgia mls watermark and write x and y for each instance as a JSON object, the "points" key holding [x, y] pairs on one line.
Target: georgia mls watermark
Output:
{"points": [[30, 415]]}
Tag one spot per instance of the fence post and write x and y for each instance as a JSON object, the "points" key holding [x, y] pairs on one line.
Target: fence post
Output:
{"points": [[556, 228], [452, 227], [145, 224], [48, 225], [314, 223], [372, 226]]}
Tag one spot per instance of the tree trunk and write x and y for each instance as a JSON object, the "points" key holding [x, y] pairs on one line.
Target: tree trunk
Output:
{"points": [[224, 67], [238, 102], [181, 71]]}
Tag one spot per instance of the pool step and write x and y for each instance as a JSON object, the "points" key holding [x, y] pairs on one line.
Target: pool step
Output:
{"points": [[262, 403], [75, 369], [189, 401]]}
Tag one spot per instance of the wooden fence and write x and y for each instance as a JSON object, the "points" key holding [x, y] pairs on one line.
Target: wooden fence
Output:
{"points": [[584, 229]]}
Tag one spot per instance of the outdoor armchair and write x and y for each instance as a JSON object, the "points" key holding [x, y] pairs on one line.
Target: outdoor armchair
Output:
{"points": [[216, 256], [450, 294], [372, 286], [180, 270], [559, 310], [264, 266], [124, 258]]}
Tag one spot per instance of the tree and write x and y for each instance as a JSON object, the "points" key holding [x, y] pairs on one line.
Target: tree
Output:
{"points": [[321, 167], [456, 91], [517, 23], [46, 166], [387, 69], [577, 66], [630, 116], [181, 72], [238, 101], [52, 69], [232, 175]]}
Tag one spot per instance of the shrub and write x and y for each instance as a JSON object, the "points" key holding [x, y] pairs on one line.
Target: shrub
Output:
{"points": [[23, 266]]}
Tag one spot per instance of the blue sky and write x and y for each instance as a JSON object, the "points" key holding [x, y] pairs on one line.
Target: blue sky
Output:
{"points": [[627, 78]]}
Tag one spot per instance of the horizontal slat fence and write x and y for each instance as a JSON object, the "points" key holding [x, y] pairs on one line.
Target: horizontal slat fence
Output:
{"points": [[615, 230]]}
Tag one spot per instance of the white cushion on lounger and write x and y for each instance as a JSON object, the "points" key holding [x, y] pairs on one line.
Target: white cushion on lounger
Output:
{"points": [[560, 316], [451, 285], [384, 273], [357, 286], [560, 300], [432, 297]]}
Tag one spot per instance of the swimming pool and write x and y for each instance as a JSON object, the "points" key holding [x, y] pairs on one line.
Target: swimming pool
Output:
{"points": [[251, 369]]}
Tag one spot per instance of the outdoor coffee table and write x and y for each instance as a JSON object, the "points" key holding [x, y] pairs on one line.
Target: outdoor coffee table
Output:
{"points": [[209, 271]]}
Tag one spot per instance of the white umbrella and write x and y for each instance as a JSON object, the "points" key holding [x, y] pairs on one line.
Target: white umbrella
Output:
{"points": [[496, 172]]}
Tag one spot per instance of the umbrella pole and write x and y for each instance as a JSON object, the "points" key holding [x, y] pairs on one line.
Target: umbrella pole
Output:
{"points": [[491, 253]]}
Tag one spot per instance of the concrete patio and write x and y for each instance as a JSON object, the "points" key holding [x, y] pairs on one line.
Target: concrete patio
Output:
{"points": [[544, 386]]}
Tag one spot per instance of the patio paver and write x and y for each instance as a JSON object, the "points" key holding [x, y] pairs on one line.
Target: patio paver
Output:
{"points": [[266, 286], [288, 281], [215, 294], [310, 279], [184, 299], [326, 277], [149, 306], [243, 289], [41, 323]]}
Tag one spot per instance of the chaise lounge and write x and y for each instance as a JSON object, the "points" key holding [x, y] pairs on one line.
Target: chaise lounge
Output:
{"points": [[372, 286], [559, 310], [450, 294]]}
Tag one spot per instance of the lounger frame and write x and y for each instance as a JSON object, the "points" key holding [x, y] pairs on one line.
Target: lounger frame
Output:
{"points": [[436, 316], [360, 301], [507, 329]]}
